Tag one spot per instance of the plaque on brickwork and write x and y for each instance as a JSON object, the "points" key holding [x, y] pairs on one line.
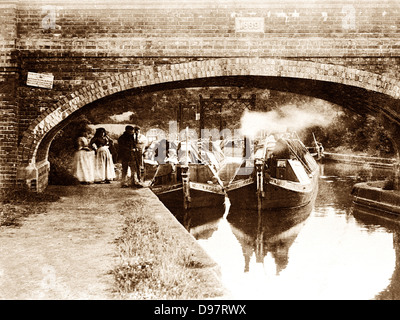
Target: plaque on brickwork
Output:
{"points": [[249, 24], [40, 80]]}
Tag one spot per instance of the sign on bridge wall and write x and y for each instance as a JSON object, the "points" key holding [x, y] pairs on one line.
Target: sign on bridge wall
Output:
{"points": [[40, 80]]}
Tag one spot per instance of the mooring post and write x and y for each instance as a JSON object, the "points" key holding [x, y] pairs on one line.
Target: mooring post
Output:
{"points": [[259, 164], [185, 175], [259, 173], [186, 187]]}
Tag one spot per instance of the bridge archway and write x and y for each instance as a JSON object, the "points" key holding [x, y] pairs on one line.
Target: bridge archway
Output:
{"points": [[359, 90]]}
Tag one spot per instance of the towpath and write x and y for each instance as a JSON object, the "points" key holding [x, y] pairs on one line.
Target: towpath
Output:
{"points": [[67, 252]]}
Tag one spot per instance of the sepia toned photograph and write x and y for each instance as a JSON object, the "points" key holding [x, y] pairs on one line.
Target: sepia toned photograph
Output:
{"points": [[213, 151]]}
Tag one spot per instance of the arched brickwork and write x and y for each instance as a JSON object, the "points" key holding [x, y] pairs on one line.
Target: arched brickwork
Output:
{"points": [[208, 68]]}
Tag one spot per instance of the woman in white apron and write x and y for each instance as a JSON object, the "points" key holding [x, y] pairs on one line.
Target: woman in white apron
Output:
{"points": [[84, 160], [104, 165]]}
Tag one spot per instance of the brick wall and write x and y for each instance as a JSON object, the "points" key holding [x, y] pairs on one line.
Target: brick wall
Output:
{"points": [[8, 97], [212, 28], [82, 42]]}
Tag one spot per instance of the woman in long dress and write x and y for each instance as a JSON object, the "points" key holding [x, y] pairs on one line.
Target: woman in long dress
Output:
{"points": [[104, 165], [83, 165]]}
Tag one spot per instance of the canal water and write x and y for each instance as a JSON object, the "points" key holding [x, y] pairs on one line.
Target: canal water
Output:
{"points": [[328, 250]]}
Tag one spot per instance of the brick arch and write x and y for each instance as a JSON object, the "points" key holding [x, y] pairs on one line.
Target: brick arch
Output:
{"points": [[152, 75]]}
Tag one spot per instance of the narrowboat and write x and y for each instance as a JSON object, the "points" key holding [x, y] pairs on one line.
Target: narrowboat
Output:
{"points": [[279, 174], [185, 180]]}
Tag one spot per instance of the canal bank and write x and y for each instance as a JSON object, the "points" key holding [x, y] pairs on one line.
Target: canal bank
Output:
{"points": [[70, 251], [375, 162], [375, 195]]}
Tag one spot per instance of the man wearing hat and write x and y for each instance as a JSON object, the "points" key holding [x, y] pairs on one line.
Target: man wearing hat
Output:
{"points": [[130, 155]]}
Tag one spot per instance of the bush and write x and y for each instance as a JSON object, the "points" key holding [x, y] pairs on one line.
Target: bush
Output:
{"points": [[60, 171]]}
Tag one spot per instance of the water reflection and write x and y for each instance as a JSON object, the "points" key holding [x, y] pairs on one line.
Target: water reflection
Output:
{"points": [[374, 221], [267, 232], [328, 250]]}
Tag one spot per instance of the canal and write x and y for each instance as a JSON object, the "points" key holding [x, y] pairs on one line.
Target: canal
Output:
{"points": [[327, 250]]}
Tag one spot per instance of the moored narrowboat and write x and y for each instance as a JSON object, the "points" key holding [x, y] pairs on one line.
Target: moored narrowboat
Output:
{"points": [[280, 175]]}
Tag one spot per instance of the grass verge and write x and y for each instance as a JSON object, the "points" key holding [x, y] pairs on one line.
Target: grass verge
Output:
{"points": [[153, 264], [17, 204]]}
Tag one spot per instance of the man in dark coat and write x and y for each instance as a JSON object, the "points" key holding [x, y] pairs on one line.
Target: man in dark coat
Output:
{"points": [[127, 154]]}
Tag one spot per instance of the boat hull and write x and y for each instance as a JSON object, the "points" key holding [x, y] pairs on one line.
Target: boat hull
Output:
{"points": [[277, 194], [174, 198], [204, 191]]}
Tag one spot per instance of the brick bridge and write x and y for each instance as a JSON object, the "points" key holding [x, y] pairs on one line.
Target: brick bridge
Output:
{"points": [[76, 52]]}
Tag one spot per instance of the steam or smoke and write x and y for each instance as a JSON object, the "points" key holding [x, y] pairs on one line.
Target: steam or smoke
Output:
{"points": [[286, 118]]}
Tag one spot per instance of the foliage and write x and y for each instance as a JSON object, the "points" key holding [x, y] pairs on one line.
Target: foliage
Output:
{"points": [[156, 109], [355, 133]]}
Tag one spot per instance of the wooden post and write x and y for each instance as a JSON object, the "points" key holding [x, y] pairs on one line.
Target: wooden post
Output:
{"points": [[185, 176], [180, 117], [260, 167], [259, 164], [220, 118], [186, 187], [201, 122], [246, 147], [253, 100]]}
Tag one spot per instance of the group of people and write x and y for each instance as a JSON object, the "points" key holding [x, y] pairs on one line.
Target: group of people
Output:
{"points": [[95, 163]]}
